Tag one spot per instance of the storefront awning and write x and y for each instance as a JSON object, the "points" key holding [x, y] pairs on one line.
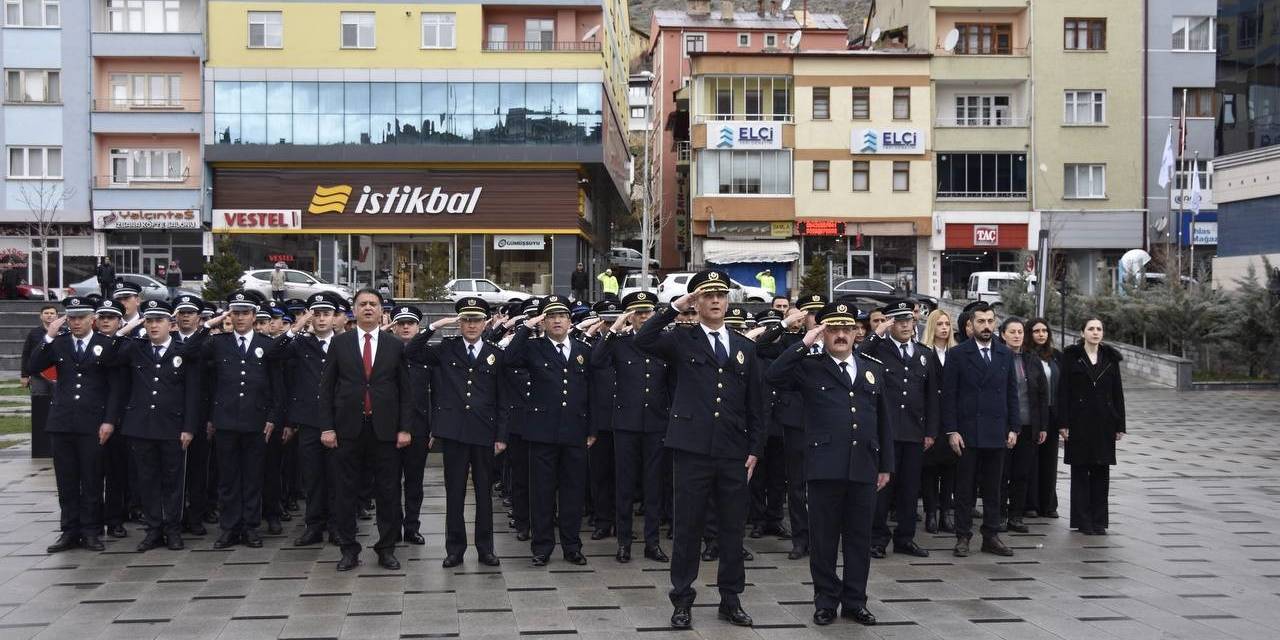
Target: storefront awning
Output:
{"points": [[737, 251]]}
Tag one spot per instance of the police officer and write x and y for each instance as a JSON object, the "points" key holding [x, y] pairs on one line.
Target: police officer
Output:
{"points": [[717, 431], [188, 316], [604, 480], [469, 419], [115, 453], [636, 415], [912, 382], [406, 324], [79, 420], [558, 427], [849, 430], [128, 295], [248, 398], [769, 483], [518, 385]]}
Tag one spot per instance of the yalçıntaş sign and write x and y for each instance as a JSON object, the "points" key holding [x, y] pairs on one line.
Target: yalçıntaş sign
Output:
{"points": [[400, 200], [738, 134], [886, 141]]}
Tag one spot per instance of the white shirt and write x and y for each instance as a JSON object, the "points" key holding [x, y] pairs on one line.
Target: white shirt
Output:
{"points": [[248, 340], [164, 346], [186, 336], [473, 348], [563, 353], [852, 369], [324, 342], [722, 335], [942, 355], [373, 344], [898, 346]]}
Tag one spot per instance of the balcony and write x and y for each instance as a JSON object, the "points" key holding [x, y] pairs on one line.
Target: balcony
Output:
{"points": [[124, 192], [147, 45], [541, 46], [993, 122], [703, 118], [112, 115], [981, 67]]}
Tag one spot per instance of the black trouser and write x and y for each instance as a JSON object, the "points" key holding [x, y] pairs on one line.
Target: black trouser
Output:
{"points": [[77, 468], [316, 462], [769, 483], [160, 476], [603, 480], [557, 483], [240, 456], [518, 461], [638, 457], [1045, 478], [197, 477], [115, 468], [40, 446], [1090, 484], [460, 461], [668, 484], [901, 492], [978, 466], [840, 521], [1020, 465], [413, 466], [290, 474], [273, 477], [352, 460], [797, 500], [939, 484], [700, 478]]}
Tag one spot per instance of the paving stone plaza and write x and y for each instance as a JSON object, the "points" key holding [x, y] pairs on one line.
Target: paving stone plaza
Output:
{"points": [[1193, 552]]}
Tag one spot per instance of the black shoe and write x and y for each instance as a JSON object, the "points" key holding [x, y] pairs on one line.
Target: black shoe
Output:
{"points": [[523, 535], [308, 538], [489, 560], [948, 524], [1017, 526], [252, 539], [211, 517], [348, 562], [1095, 531], [624, 554], [656, 554], [711, 553], [779, 529], [540, 560], [387, 560], [757, 531], [797, 552], [910, 548], [413, 537], [602, 533], [274, 527], [149, 542], [1049, 514], [993, 544], [367, 505], [363, 514], [671, 532], [824, 617], [135, 515], [92, 543], [859, 615], [931, 522], [285, 516], [174, 542], [452, 560], [291, 504], [117, 531], [681, 618], [735, 616], [877, 551], [575, 557], [197, 529], [64, 542], [747, 555], [227, 539], [962, 547]]}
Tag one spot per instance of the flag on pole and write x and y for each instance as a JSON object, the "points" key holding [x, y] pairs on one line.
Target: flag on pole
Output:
{"points": [[1166, 160], [1196, 197]]}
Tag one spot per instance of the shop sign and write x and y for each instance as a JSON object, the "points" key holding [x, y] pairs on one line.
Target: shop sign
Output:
{"points": [[279, 257], [780, 229], [1205, 233], [256, 219], [736, 134], [108, 219], [403, 200], [820, 228], [986, 235], [520, 243], [886, 141], [743, 229]]}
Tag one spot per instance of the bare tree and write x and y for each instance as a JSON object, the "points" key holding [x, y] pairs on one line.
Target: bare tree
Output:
{"points": [[44, 199]]}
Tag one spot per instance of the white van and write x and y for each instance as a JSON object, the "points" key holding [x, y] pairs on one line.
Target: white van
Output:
{"points": [[987, 285]]}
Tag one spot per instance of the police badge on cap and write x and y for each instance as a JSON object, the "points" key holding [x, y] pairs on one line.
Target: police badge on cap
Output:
{"points": [[709, 281], [472, 308]]}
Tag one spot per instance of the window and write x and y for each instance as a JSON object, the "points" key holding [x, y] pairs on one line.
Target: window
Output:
{"points": [[744, 172], [32, 86], [1084, 181], [35, 162], [1085, 107], [1248, 28], [143, 16], [982, 111], [438, 31], [744, 39], [1201, 102], [821, 175], [724, 101], [266, 30], [901, 103], [985, 39], [146, 165], [1185, 168], [357, 30], [539, 34], [638, 113], [145, 90], [1084, 34], [861, 175], [982, 175], [1193, 33], [771, 41], [781, 103], [694, 42], [861, 103], [901, 176], [31, 13], [751, 104], [821, 103]]}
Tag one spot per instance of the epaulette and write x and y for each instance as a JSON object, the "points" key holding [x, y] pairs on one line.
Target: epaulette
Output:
{"points": [[871, 358]]}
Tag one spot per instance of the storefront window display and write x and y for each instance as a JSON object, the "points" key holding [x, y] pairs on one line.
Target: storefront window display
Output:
{"points": [[523, 270]]}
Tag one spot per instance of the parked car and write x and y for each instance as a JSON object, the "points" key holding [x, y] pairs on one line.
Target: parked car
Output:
{"points": [[881, 291], [297, 284], [677, 284], [987, 285], [626, 258], [631, 284], [483, 289], [152, 289]]}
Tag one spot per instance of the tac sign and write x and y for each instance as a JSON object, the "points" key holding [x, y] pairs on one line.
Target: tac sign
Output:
{"points": [[986, 235]]}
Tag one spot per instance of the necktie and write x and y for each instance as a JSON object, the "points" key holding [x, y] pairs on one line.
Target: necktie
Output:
{"points": [[563, 354], [905, 356], [324, 346], [471, 351], [722, 356], [368, 371], [243, 348], [79, 350], [157, 348], [986, 354], [844, 368]]}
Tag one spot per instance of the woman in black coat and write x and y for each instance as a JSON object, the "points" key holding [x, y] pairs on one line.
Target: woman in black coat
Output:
{"points": [[1092, 412], [1043, 488], [1033, 408]]}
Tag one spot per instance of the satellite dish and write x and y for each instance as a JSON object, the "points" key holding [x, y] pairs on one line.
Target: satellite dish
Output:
{"points": [[786, 4], [794, 40], [875, 36], [1132, 262], [591, 33], [952, 39], [1044, 168], [1162, 224]]}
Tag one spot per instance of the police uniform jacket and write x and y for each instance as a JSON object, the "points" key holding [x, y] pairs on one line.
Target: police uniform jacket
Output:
{"points": [[468, 399], [970, 404], [301, 359], [558, 407], [86, 390], [715, 410], [639, 388], [164, 395], [784, 404], [247, 388], [848, 426], [911, 387]]}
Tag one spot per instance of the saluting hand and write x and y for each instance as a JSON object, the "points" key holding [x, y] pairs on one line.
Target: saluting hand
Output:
{"points": [[215, 321], [534, 321], [813, 334], [621, 322], [793, 316], [444, 322], [55, 326]]}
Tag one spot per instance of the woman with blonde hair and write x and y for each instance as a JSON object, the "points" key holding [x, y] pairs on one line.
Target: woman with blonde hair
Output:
{"points": [[939, 473]]}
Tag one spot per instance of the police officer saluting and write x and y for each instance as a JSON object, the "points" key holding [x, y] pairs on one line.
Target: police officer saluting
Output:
{"points": [[717, 431], [849, 429], [407, 324]]}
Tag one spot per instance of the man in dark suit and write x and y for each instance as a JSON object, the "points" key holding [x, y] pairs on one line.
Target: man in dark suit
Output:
{"points": [[248, 401], [849, 428], [557, 426], [912, 379], [365, 416], [717, 431], [640, 402], [41, 389], [469, 415], [406, 324], [980, 418]]}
